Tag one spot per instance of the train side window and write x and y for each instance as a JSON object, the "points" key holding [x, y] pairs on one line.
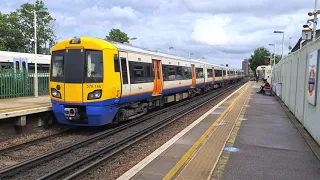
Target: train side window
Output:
{"points": [[24, 67], [17, 65], [171, 73], [148, 75], [179, 75], [124, 70], [209, 72], [187, 73], [138, 74], [165, 73], [199, 72], [31, 67], [116, 63]]}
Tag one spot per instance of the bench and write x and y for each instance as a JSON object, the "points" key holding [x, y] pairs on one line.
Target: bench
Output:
{"points": [[268, 91]]}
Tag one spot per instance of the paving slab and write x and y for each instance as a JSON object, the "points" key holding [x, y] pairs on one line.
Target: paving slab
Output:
{"points": [[270, 146]]}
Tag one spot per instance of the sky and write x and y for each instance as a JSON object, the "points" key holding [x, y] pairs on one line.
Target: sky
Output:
{"points": [[216, 31]]}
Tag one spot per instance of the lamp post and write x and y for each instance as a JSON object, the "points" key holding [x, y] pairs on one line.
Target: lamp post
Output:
{"points": [[133, 38], [281, 32], [35, 52], [315, 12], [274, 53], [169, 49]]}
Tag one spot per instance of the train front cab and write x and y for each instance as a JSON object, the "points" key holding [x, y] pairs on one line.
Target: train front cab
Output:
{"points": [[84, 82]]}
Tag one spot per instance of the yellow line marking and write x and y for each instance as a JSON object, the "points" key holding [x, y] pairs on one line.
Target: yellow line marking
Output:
{"points": [[23, 107], [183, 160], [223, 160]]}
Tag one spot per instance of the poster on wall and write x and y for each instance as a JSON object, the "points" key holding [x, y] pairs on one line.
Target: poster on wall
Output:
{"points": [[312, 78]]}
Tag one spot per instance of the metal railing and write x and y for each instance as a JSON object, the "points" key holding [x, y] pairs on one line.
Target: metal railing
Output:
{"points": [[20, 83]]}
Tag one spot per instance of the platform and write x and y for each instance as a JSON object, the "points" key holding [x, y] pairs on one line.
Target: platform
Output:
{"points": [[246, 136], [14, 107]]}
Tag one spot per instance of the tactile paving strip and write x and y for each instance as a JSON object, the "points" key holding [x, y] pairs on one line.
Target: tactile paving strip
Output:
{"points": [[205, 158]]}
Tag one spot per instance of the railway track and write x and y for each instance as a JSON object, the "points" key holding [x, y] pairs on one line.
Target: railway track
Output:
{"points": [[18, 153], [16, 147], [111, 149]]}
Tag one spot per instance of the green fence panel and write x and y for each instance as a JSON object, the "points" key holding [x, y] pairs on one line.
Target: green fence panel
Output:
{"points": [[21, 83]]}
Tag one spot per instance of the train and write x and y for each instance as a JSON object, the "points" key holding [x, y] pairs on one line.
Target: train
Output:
{"points": [[266, 70], [24, 61], [95, 82]]}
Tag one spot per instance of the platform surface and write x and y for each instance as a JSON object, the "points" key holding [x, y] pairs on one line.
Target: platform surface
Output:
{"points": [[263, 141], [270, 146], [23, 105]]}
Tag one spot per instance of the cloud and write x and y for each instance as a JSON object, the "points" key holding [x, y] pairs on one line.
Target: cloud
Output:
{"points": [[211, 31], [220, 31]]}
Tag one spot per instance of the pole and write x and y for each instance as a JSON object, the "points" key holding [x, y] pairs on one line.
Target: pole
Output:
{"points": [[282, 44], [315, 20], [35, 56], [274, 55]]}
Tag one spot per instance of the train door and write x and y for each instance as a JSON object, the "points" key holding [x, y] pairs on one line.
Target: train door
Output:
{"points": [[158, 77], [213, 75], [222, 70], [124, 74], [20, 64], [193, 70]]}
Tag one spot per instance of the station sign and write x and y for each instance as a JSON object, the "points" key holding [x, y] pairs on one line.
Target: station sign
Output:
{"points": [[306, 34], [266, 60]]}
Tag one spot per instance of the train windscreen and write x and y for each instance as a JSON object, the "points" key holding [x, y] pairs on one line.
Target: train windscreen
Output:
{"points": [[77, 66]]}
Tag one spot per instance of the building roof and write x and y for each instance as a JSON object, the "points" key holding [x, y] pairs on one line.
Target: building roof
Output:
{"points": [[304, 42]]}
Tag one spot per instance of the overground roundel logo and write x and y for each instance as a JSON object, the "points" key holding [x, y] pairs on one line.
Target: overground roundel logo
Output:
{"points": [[311, 81]]}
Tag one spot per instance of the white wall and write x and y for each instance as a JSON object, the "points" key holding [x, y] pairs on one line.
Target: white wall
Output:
{"points": [[292, 76]]}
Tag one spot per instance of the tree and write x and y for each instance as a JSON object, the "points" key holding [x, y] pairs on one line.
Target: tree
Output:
{"points": [[11, 37], [45, 34], [117, 36], [278, 57], [17, 29], [257, 59]]}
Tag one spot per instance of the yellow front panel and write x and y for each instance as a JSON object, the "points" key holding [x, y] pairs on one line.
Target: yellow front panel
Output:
{"points": [[111, 86], [73, 93], [54, 85]]}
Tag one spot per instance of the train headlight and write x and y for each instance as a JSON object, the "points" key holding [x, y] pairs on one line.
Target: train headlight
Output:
{"points": [[96, 94], [55, 93]]}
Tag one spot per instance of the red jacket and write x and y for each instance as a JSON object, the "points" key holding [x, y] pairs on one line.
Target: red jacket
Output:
{"points": [[267, 85]]}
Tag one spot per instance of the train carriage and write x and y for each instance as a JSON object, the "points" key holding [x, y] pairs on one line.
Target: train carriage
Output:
{"points": [[94, 82], [23, 61]]}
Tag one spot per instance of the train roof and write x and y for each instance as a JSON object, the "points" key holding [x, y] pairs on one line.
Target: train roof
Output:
{"points": [[132, 48], [5, 56]]}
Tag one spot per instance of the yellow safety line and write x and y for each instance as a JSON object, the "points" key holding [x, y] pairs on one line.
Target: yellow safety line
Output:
{"points": [[183, 160], [223, 160], [23, 107]]}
